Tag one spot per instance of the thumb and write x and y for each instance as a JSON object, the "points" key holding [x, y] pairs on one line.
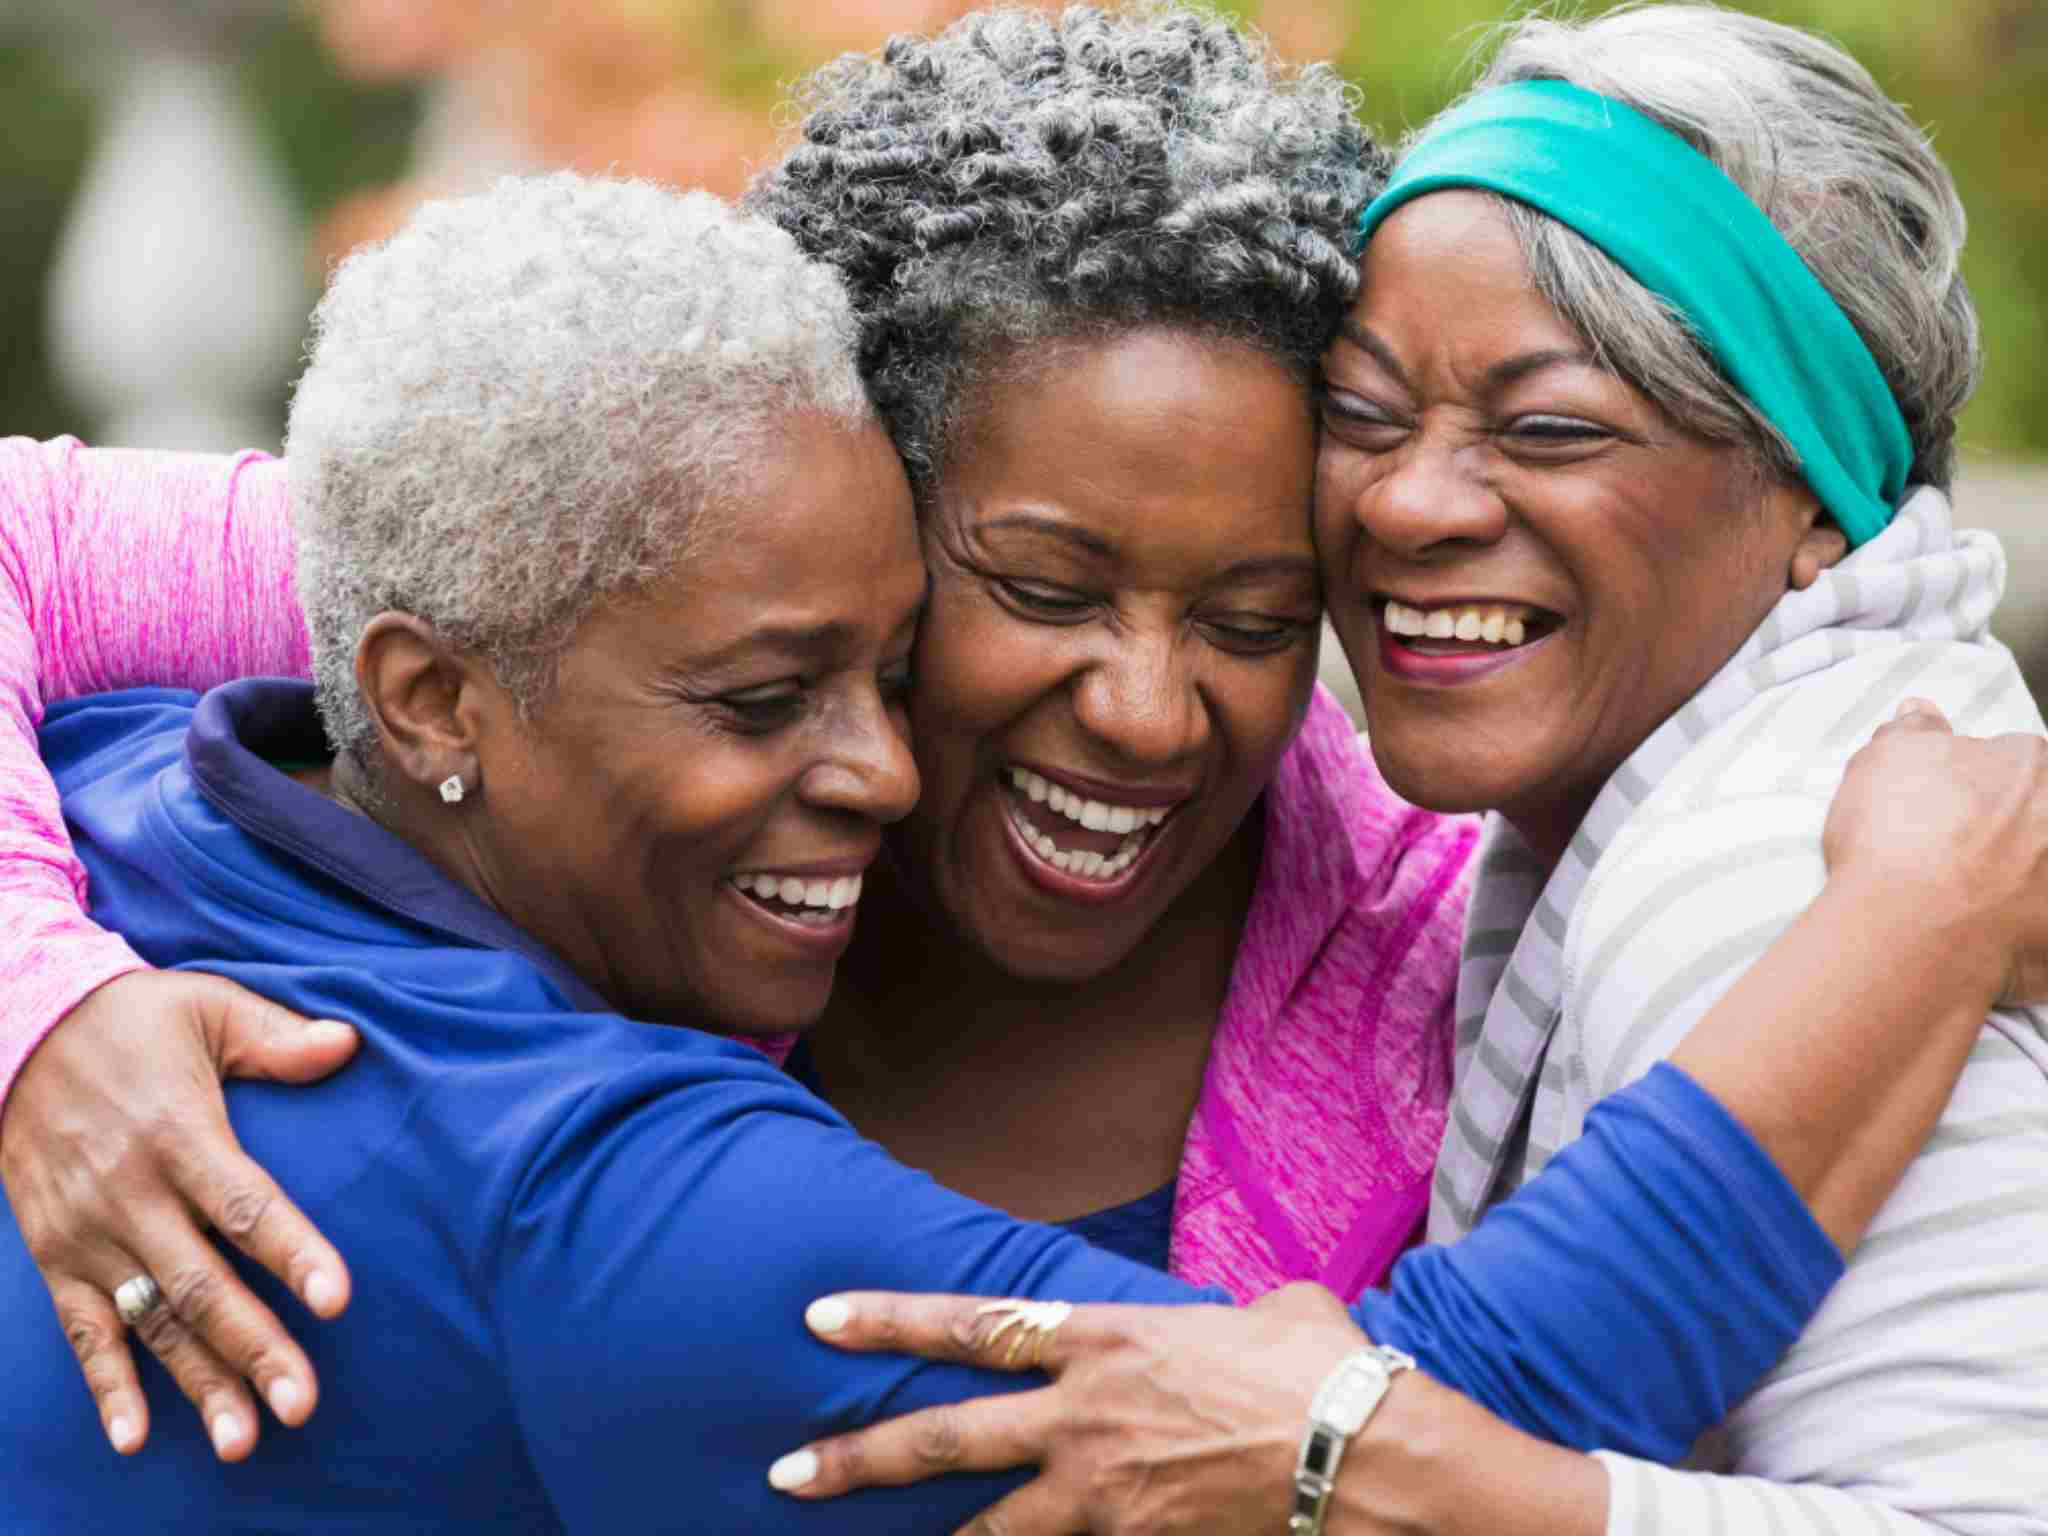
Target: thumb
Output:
{"points": [[1920, 715], [255, 1038]]}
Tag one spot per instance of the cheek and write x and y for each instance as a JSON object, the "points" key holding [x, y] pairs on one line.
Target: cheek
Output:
{"points": [[978, 669]]}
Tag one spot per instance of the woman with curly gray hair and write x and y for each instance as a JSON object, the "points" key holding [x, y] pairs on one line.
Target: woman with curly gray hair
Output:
{"points": [[1653, 324], [1162, 958]]}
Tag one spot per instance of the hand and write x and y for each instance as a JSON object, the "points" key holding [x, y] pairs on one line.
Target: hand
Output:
{"points": [[115, 1148], [1959, 825], [1157, 1419]]}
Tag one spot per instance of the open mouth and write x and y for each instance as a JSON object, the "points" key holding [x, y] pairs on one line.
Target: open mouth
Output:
{"points": [[811, 902], [1466, 629], [1091, 840]]}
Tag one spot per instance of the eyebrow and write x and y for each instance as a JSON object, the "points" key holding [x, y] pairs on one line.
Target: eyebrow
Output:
{"points": [[803, 641], [1502, 373], [1052, 527]]}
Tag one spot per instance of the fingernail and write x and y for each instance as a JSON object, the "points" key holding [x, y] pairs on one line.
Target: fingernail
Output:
{"points": [[793, 1471], [287, 1397], [827, 1316], [122, 1432], [328, 1031], [227, 1429], [323, 1291], [1913, 707]]}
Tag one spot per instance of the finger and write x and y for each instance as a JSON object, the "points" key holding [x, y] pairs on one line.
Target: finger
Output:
{"points": [[245, 1205], [86, 1314], [237, 1329], [206, 1380], [983, 1434], [251, 1036], [971, 1330], [1039, 1508], [1919, 715]]}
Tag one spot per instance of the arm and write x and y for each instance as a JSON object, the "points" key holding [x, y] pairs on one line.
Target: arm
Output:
{"points": [[1914, 1402], [652, 1271], [115, 568], [1579, 1297]]}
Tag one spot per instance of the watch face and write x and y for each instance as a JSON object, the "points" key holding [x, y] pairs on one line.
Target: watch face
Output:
{"points": [[1354, 1394]]}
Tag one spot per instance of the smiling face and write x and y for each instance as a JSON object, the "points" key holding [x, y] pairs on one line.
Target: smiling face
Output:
{"points": [[687, 818], [1120, 645], [1529, 565]]}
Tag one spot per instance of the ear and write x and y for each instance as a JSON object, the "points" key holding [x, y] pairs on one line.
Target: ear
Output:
{"points": [[430, 700], [1816, 542]]}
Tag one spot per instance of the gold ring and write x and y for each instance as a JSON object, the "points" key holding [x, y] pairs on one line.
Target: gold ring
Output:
{"points": [[1029, 1324]]}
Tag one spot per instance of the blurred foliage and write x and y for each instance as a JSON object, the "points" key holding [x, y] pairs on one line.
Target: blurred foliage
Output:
{"points": [[617, 82]]}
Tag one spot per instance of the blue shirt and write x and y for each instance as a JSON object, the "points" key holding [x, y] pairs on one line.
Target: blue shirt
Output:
{"points": [[583, 1244]]}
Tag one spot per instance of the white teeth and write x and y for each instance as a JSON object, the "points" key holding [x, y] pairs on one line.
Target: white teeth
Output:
{"points": [[826, 895], [1096, 815], [1495, 623], [1136, 826]]}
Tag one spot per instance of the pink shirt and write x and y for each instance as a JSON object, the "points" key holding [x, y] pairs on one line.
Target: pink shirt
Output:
{"points": [[1310, 1149]]}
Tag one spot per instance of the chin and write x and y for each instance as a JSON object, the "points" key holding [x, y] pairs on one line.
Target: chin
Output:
{"points": [[788, 1009], [1441, 782], [1068, 959]]}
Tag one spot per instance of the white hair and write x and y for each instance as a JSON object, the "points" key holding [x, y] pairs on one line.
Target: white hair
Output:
{"points": [[1841, 171], [520, 404]]}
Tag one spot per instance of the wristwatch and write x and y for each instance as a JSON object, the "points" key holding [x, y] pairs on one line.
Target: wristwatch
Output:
{"points": [[1342, 1404]]}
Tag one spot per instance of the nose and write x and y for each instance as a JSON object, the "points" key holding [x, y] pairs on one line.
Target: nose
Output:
{"points": [[1431, 497], [1140, 699], [868, 770]]}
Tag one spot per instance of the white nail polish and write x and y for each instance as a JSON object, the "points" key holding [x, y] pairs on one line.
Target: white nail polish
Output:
{"points": [[122, 1433], [321, 1291], [285, 1397], [793, 1471], [226, 1430], [827, 1316]]}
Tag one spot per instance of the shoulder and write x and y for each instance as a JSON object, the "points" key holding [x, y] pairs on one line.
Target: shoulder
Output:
{"points": [[110, 736]]}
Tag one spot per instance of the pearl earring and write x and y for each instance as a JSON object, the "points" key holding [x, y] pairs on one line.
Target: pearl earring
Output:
{"points": [[452, 790]]}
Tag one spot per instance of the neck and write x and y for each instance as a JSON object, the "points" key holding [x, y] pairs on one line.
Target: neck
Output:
{"points": [[1047, 1098]]}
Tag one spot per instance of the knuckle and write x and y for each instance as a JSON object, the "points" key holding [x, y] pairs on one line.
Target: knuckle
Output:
{"points": [[242, 1211], [86, 1334], [848, 1459], [992, 1522], [162, 1332], [196, 1294], [886, 1322], [938, 1439]]}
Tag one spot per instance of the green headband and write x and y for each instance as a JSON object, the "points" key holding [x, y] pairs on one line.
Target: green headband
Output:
{"points": [[1687, 233]]}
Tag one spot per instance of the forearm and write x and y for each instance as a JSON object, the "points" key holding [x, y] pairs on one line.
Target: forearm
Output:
{"points": [[78, 527], [1630, 1294], [1431, 1463], [1839, 1048]]}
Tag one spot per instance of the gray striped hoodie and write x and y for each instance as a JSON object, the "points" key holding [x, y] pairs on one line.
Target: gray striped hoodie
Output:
{"points": [[1917, 1401]]}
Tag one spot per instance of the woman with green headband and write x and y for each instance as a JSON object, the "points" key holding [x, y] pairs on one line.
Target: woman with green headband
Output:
{"points": [[1656, 324]]}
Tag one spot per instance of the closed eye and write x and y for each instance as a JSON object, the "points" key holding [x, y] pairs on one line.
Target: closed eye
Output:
{"points": [[1056, 605]]}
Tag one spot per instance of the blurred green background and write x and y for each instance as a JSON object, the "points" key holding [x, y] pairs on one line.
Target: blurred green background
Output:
{"points": [[341, 121]]}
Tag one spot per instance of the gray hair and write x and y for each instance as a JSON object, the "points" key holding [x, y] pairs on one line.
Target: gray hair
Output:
{"points": [[1844, 174], [1021, 179], [519, 405]]}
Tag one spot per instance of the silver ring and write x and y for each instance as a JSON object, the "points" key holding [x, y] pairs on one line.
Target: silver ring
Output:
{"points": [[136, 1298]]}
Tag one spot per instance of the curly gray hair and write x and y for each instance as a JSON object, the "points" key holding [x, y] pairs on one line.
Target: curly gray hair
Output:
{"points": [[1022, 178], [520, 404], [1843, 173]]}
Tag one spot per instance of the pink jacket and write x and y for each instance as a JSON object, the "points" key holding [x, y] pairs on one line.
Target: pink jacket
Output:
{"points": [[1309, 1153]]}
